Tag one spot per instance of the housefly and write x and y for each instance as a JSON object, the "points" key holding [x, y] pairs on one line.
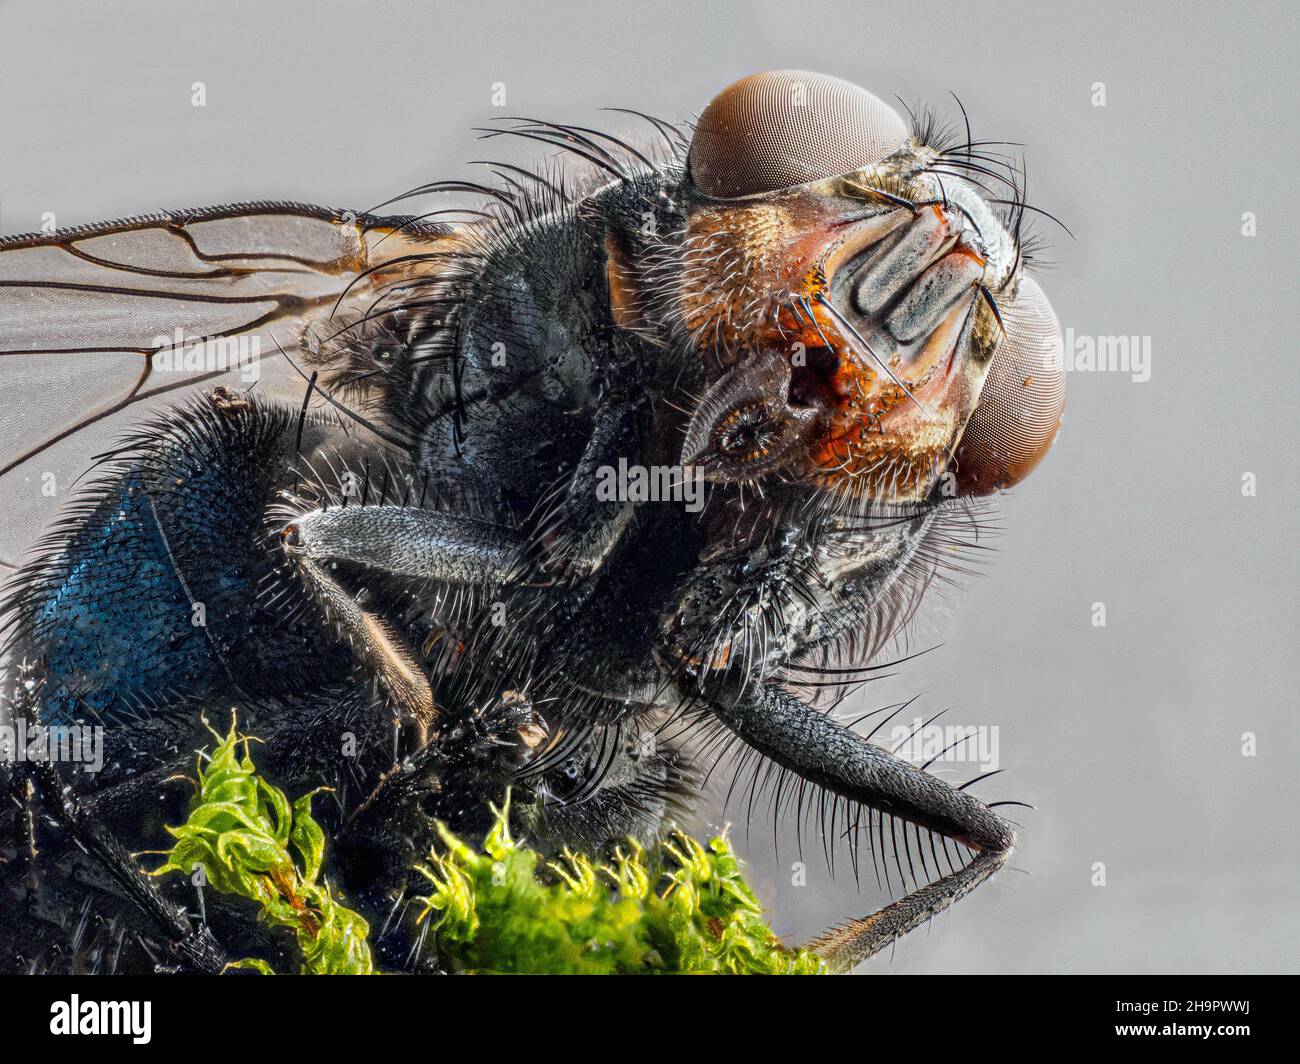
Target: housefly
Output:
{"points": [[580, 487]]}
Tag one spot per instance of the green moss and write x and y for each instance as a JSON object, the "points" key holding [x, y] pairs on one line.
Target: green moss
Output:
{"points": [[253, 843], [496, 910], [686, 908]]}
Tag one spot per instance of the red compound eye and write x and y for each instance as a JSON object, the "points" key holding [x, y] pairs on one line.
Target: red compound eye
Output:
{"points": [[784, 128], [1020, 409]]}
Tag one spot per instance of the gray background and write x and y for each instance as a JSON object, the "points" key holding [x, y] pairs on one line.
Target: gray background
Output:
{"points": [[1127, 738]]}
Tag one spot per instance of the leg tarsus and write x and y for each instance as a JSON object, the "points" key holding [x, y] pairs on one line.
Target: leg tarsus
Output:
{"points": [[809, 743], [854, 941]]}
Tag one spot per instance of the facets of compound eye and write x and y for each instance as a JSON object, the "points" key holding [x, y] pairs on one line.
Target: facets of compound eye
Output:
{"points": [[783, 128], [1020, 408]]}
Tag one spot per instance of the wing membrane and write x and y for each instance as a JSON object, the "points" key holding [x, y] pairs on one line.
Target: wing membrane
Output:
{"points": [[98, 319]]}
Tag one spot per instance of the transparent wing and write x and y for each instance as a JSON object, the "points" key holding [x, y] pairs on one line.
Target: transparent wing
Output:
{"points": [[101, 322]]}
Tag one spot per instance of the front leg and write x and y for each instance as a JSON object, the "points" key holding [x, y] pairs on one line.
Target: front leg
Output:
{"points": [[732, 629], [821, 751]]}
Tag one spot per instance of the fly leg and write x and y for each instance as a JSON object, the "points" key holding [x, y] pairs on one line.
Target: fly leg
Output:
{"points": [[402, 542], [737, 622], [406, 542], [821, 751], [194, 948]]}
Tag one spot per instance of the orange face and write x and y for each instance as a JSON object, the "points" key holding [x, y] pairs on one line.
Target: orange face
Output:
{"points": [[848, 324]]}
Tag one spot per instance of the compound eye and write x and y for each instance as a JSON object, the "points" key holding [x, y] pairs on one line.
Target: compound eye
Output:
{"points": [[784, 128], [1020, 409]]}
